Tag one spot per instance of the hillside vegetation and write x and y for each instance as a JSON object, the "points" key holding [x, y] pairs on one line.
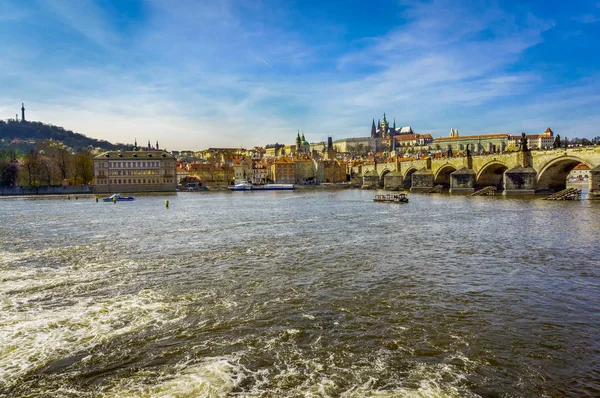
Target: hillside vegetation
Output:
{"points": [[37, 131]]}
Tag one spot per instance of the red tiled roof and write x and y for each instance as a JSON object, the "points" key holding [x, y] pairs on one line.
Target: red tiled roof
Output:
{"points": [[581, 166]]}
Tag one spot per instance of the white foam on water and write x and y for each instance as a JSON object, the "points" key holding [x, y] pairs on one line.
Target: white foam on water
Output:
{"points": [[213, 377], [33, 336]]}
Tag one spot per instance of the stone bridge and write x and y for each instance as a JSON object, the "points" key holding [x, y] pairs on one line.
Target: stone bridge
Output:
{"points": [[521, 172]]}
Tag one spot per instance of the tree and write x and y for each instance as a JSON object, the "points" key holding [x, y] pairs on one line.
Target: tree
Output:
{"points": [[47, 171], [31, 168], [84, 168], [59, 155], [9, 169]]}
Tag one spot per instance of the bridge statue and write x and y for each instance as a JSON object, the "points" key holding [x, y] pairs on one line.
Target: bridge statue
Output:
{"points": [[523, 144]]}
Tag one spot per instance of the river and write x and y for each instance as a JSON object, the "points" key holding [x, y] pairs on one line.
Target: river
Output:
{"points": [[305, 293]]}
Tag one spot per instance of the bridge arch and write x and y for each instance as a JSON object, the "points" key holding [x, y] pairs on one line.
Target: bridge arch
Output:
{"points": [[491, 174], [384, 172], [382, 177], [442, 177], [553, 175], [407, 178]]}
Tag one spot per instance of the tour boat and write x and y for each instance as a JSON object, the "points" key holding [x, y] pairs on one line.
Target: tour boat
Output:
{"points": [[118, 198], [392, 198], [244, 186]]}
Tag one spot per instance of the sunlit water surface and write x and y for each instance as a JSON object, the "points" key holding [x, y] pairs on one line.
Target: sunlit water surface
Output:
{"points": [[304, 293]]}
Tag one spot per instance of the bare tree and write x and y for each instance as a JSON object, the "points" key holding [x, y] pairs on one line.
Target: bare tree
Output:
{"points": [[31, 168]]}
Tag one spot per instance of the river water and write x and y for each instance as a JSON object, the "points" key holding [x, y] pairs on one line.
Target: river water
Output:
{"points": [[305, 293]]}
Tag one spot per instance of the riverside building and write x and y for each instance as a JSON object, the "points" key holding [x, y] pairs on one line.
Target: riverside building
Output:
{"points": [[135, 171]]}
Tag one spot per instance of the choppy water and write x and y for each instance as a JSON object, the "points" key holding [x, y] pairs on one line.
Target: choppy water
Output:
{"points": [[306, 293]]}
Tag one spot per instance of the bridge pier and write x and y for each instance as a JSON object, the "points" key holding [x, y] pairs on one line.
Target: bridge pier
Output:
{"points": [[393, 181], [594, 193], [370, 180], [462, 181], [422, 180], [520, 181]]}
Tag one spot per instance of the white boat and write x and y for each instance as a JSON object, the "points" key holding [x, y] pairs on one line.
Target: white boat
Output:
{"points": [[244, 186], [392, 198]]}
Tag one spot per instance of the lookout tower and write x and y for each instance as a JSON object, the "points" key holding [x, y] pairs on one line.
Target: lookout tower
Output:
{"points": [[22, 111]]}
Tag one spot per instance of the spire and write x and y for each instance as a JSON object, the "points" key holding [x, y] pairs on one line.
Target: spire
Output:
{"points": [[394, 124], [373, 130], [149, 146], [22, 111], [135, 144], [157, 145]]}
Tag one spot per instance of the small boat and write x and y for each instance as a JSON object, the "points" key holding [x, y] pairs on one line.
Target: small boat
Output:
{"points": [[118, 198], [244, 186], [391, 198]]}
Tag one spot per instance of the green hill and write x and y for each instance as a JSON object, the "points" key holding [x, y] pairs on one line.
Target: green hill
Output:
{"points": [[37, 131]]}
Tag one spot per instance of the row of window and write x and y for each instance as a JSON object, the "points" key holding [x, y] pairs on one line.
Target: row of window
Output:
{"points": [[131, 164], [133, 172], [135, 181]]}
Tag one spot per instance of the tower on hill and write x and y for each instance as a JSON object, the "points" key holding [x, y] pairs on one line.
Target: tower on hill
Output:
{"points": [[22, 111]]}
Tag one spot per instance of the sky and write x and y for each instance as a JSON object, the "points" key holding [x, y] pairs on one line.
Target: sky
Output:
{"points": [[199, 74]]}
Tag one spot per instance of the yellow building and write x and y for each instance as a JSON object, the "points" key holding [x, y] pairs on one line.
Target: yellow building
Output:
{"points": [[485, 143], [284, 171], [135, 171]]}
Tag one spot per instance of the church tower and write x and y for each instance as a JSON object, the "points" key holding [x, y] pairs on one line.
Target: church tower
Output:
{"points": [[298, 142], [384, 127], [22, 112]]}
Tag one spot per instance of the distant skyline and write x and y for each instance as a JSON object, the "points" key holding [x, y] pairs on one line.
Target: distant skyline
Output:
{"points": [[199, 74]]}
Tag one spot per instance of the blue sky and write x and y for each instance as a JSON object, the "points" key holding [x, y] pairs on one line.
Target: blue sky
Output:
{"points": [[199, 74]]}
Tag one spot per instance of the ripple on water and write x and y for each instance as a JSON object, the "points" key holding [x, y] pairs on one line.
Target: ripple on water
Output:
{"points": [[316, 294]]}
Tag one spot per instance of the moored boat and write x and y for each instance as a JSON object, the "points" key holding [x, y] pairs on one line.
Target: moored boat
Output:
{"points": [[118, 198], [244, 186]]}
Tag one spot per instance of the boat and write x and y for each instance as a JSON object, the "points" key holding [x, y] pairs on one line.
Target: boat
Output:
{"points": [[391, 198], [118, 198], [244, 186]]}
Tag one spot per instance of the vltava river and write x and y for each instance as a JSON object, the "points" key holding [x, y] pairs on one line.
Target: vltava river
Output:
{"points": [[304, 293]]}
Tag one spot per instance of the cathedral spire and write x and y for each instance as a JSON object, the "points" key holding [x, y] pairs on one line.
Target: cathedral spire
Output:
{"points": [[373, 129]]}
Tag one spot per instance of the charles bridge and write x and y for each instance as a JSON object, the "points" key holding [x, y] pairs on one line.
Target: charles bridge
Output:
{"points": [[522, 172]]}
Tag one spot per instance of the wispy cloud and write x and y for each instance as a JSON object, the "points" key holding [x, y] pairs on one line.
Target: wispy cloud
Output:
{"points": [[85, 17]]}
